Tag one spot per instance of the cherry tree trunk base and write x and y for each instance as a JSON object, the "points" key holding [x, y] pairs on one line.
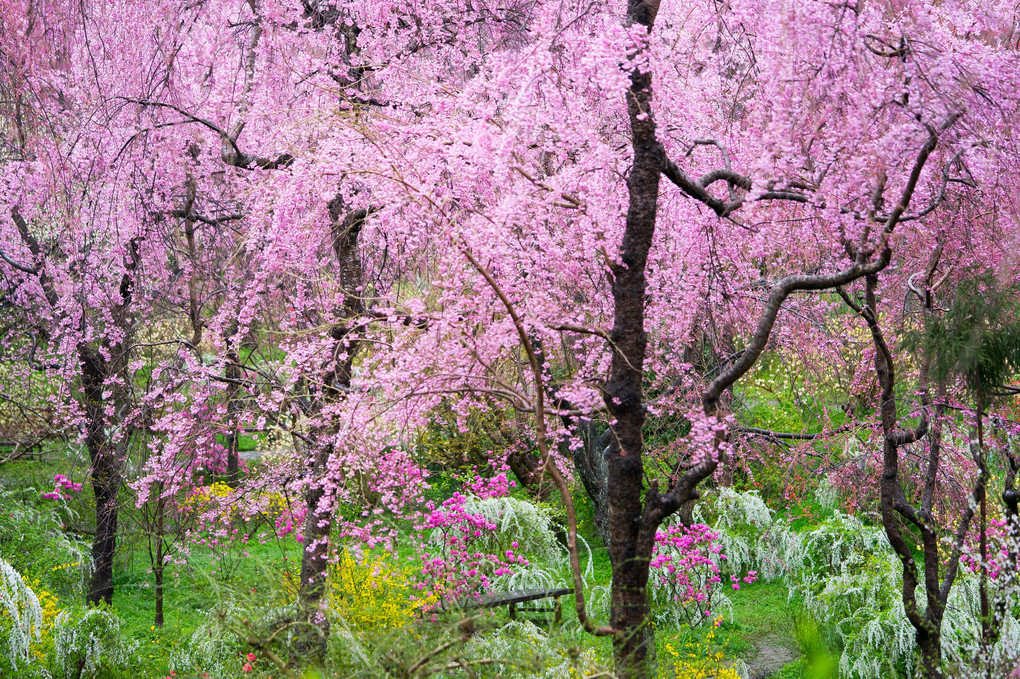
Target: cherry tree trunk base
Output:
{"points": [[104, 544]]}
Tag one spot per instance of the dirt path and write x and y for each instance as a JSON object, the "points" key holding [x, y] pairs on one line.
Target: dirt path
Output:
{"points": [[771, 657], [270, 453]]}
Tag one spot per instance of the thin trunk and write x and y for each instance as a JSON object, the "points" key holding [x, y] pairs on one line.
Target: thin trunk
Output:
{"points": [[1011, 500], [233, 374], [591, 464], [158, 557], [893, 503], [986, 614], [158, 621]]}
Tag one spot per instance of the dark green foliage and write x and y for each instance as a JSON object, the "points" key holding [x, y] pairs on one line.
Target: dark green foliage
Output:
{"points": [[977, 338]]}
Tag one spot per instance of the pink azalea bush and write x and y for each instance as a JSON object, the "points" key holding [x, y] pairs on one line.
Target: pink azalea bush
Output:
{"points": [[687, 572], [63, 489], [455, 565]]}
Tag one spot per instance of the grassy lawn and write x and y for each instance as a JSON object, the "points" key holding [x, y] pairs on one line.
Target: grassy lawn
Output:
{"points": [[762, 616]]}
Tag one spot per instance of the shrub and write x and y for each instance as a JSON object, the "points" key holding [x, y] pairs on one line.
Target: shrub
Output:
{"points": [[455, 563], [751, 537], [697, 660], [685, 574], [373, 593], [87, 640], [21, 616], [32, 539], [529, 525], [213, 649], [525, 650], [527, 529]]}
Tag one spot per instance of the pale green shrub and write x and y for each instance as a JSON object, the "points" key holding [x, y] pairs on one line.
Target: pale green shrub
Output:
{"points": [[751, 537], [21, 615], [529, 651], [89, 640], [827, 496], [211, 649], [529, 525]]}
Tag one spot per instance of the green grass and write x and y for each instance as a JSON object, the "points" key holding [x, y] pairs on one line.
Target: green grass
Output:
{"points": [[191, 591], [761, 611]]}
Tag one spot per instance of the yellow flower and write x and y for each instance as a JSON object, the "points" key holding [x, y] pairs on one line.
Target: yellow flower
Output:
{"points": [[698, 662], [373, 593], [50, 610]]}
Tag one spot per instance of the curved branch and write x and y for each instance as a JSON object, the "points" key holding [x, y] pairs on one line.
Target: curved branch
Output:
{"points": [[543, 448]]}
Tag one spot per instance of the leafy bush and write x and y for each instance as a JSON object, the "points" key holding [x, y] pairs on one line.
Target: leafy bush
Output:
{"points": [[525, 650], [751, 537], [21, 616], [530, 530], [685, 575], [529, 525], [212, 649], [850, 581], [32, 539], [87, 640], [373, 593]]}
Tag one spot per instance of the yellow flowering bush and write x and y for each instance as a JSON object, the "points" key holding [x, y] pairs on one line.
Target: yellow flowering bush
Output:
{"points": [[697, 660], [50, 606], [204, 498], [214, 497], [373, 593]]}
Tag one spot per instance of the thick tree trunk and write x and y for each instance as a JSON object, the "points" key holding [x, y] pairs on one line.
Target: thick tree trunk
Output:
{"points": [[105, 478], [105, 486], [629, 552], [315, 553], [525, 467]]}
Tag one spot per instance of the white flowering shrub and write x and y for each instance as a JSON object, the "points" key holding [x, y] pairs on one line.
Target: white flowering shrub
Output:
{"points": [[211, 649], [851, 581], [530, 525], [89, 640], [528, 529], [826, 496], [752, 539], [527, 650], [21, 616]]}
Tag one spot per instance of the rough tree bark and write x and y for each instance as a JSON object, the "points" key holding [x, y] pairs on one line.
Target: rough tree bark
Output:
{"points": [[319, 520], [105, 455], [894, 505], [629, 550], [106, 477]]}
